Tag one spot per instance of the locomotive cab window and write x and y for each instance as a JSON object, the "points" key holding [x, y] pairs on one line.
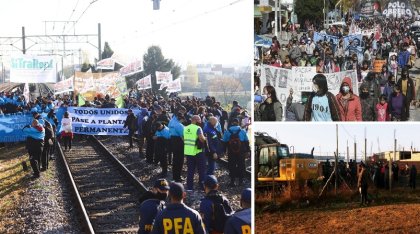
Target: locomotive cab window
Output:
{"points": [[268, 162]]}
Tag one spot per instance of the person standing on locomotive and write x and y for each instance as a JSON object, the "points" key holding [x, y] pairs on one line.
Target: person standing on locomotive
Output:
{"points": [[237, 145]]}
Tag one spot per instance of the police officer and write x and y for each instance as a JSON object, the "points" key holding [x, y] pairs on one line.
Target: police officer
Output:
{"points": [[161, 138], [153, 205], [240, 222], [213, 138], [193, 150], [34, 144], [176, 129], [131, 124], [214, 207], [177, 217], [237, 146]]}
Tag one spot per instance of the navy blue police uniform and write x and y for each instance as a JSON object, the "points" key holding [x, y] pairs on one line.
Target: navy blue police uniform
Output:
{"points": [[151, 207]]}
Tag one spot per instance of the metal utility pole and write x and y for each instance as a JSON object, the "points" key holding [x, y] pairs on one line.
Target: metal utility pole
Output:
{"points": [[276, 18], [395, 145], [99, 43], [336, 162], [348, 155], [280, 16], [365, 146], [355, 150], [23, 41]]}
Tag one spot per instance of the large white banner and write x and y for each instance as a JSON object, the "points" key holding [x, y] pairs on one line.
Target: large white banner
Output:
{"points": [[132, 68], [33, 69], [144, 83], [300, 80], [97, 121], [174, 86], [163, 77], [106, 64], [64, 86]]}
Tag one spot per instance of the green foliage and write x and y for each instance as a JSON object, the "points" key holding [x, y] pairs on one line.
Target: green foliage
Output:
{"points": [[309, 10], [154, 61], [108, 52]]}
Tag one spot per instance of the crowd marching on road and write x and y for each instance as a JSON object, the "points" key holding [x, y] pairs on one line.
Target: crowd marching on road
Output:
{"points": [[167, 132], [384, 94]]}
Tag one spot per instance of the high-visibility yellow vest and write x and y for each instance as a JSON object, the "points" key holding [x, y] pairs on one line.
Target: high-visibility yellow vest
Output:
{"points": [[190, 138]]}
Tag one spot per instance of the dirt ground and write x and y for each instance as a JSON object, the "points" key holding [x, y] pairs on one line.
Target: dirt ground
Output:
{"points": [[399, 218]]}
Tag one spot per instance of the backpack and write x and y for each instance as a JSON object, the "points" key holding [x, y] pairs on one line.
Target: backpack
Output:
{"points": [[220, 216], [234, 144]]}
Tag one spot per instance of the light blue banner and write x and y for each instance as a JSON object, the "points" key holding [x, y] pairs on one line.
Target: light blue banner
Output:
{"points": [[99, 121], [11, 126]]}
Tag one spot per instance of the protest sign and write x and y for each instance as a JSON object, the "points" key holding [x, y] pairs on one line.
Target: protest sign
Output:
{"points": [[90, 85], [325, 37], [174, 86], [163, 77], [352, 40], [106, 64], [144, 83], [378, 64], [95, 121], [132, 68], [64, 86], [300, 80], [11, 126], [399, 9], [33, 69]]}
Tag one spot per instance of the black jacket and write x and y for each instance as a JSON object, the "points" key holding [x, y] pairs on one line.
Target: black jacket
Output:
{"points": [[131, 122]]}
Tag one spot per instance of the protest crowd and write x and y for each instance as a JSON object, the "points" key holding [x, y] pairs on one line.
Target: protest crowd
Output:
{"points": [[377, 54], [168, 131]]}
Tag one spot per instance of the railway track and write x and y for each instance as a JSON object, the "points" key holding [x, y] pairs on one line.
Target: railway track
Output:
{"points": [[106, 193], [225, 162]]}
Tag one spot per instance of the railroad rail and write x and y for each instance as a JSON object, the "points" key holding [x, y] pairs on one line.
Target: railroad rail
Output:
{"points": [[106, 192]]}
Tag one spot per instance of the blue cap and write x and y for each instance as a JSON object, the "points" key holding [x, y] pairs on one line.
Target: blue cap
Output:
{"points": [[246, 195], [176, 190], [210, 181], [161, 184]]}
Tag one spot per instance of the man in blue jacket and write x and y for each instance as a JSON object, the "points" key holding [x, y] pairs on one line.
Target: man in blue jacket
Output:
{"points": [[237, 145], [161, 138], [214, 207], [214, 144], [176, 129], [240, 222], [141, 117], [177, 217], [152, 206], [34, 144]]}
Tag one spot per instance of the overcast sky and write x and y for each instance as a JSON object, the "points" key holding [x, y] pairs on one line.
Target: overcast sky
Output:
{"points": [[323, 136], [196, 31]]}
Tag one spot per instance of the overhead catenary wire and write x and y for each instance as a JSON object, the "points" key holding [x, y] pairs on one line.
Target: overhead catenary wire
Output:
{"points": [[83, 13], [71, 15], [193, 17]]}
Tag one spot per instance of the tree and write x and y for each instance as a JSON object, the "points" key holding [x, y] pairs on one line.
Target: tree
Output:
{"points": [[154, 61], [226, 88], [108, 52], [309, 10]]}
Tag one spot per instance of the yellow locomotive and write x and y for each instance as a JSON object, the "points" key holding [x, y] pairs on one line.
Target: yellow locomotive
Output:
{"points": [[274, 163]]}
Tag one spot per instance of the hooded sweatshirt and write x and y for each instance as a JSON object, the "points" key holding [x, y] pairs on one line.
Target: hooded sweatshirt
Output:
{"points": [[350, 109]]}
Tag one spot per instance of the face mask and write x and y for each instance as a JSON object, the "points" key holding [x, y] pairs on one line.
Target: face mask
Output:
{"points": [[161, 196], [364, 95], [264, 97], [315, 88], [345, 89], [283, 48]]}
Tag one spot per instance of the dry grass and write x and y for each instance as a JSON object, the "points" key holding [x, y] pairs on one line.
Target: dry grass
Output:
{"points": [[13, 181]]}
